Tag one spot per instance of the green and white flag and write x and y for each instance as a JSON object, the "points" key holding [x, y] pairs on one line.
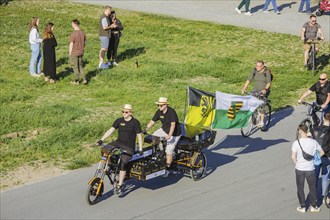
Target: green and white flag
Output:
{"points": [[233, 111]]}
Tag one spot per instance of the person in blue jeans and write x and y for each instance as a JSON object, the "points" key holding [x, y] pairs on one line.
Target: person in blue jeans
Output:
{"points": [[265, 9], [308, 6], [35, 44]]}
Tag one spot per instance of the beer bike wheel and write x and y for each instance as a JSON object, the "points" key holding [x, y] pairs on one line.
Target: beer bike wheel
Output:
{"points": [[268, 114], [92, 191], [327, 196], [251, 124], [309, 125], [197, 165]]}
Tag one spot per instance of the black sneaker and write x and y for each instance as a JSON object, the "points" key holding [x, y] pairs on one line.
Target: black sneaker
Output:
{"points": [[118, 190]]}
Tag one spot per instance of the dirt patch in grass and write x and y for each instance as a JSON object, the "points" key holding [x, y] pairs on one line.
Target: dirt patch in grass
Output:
{"points": [[29, 174]]}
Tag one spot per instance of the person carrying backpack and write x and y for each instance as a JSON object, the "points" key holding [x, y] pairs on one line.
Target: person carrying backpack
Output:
{"points": [[322, 136], [262, 78]]}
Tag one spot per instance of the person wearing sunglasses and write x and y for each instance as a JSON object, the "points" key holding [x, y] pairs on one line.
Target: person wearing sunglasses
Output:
{"points": [[170, 129], [310, 31], [322, 91], [128, 129]]}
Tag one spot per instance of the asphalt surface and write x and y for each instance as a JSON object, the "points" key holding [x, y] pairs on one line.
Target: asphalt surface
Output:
{"points": [[247, 178], [222, 11]]}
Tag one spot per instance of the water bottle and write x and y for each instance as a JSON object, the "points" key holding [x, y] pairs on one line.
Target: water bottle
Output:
{"points": [[197, 138]]}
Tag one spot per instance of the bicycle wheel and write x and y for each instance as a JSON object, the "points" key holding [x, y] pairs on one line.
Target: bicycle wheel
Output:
{"points": [[309, 125], [310, 61], [92, 195], [327, 196], [246, 131], [197, 165], [268, 114], [313, 62]]}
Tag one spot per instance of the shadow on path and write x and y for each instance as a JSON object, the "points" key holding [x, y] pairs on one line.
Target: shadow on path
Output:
{"points": [[285, 5]]}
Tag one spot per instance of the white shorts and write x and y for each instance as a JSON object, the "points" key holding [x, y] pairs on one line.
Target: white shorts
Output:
{"points": [[170, 143]]}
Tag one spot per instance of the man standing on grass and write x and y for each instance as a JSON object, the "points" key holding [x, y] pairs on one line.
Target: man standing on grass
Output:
{"points": [[104, 35], [76, 52]]}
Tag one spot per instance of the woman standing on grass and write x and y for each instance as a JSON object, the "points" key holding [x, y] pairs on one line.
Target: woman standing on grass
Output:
{"points": [[49, 44], [35, 43]]}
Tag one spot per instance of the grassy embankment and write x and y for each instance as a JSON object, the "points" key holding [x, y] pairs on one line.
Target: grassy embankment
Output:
{"points": [[172, 53]]}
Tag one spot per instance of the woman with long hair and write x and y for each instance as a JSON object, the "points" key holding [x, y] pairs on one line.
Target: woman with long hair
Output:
{"points": [[49, 44], [35, 43]]}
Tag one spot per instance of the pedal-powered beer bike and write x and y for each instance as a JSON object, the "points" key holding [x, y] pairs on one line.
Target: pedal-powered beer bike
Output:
{"points": [[188, 159]]}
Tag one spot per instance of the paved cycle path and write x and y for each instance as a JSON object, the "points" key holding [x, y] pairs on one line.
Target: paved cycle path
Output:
{"points": [[247, 178], [222, 11]]}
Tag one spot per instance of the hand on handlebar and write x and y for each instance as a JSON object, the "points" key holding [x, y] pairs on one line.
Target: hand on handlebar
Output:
{"points": [[244, 92], [99, 143], [140, 152], [299, 101]]}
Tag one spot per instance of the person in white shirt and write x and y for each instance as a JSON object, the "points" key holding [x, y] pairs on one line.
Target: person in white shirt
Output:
{"points": [[35, 44], [305, 168]]}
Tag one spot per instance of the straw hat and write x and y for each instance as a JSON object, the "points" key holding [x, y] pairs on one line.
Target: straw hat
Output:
{"points": [[162, 101], [128, 107]]}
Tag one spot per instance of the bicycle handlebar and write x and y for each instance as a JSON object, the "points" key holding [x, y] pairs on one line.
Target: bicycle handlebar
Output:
{"points": [[315, 40], [315, 107]]}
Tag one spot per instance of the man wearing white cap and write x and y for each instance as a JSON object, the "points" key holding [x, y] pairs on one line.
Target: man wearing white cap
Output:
{"points": [[128, 129], [170, 128]]}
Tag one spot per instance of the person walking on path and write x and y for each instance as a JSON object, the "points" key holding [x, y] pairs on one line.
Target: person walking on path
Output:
{"points": [[247, 7], [76, 52], [35, 44], [304, 169], [104, 35], [116, 29], [265, 9], [49, 54], [308, 6]]}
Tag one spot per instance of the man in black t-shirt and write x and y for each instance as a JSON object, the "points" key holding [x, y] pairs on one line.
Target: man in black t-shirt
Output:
{"points": [[322, 91], [170, 128], [128, 129]]}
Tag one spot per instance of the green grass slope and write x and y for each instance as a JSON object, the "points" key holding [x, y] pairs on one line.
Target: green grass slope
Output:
{"points": [[59, 124]]}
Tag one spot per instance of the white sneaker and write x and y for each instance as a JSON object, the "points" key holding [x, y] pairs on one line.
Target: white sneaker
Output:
{"points": [[114, 63], [266, 12], [35, 75], [261, 124], [103, 66], [301, 209], [165, 175], [315, 209], [248, 13], [238, 11]]}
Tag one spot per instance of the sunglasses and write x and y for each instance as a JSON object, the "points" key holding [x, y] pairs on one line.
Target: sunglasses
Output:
{"points": [[313, 20], [160, 105], [125, 112], [322, 79]]}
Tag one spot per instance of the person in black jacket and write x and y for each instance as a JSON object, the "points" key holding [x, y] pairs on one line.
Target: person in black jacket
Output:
{"points": [[116, 28], [49, 54]]}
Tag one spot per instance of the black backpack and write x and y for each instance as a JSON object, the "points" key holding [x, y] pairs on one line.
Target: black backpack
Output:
{"points": [[322, 136], [271, 75]]}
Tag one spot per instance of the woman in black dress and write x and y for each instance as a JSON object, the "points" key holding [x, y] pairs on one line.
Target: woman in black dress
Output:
{"points": [[48, 48]]}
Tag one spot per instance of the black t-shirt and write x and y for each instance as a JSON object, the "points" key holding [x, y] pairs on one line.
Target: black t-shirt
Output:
{"points": [[321, 92], [166, 119], [127, 131]]}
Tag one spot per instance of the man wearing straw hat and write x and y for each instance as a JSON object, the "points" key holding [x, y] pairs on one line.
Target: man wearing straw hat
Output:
{"points": [[170, 129], [128, 129]]}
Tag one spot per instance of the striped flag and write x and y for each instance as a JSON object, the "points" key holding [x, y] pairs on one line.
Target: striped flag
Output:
{"points": [[233, 111], [200, 111]]}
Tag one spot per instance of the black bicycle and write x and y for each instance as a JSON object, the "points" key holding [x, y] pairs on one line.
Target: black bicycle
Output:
{"points": [[256, 118], [312, 119], [311, 61]]}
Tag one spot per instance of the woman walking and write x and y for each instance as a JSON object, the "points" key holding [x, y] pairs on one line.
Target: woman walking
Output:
{"points": [[305, 168], [35, 43], [247, 7], [49, 44]]}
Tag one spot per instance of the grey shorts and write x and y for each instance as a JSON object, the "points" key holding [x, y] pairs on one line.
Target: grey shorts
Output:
{"points": [[170, 143], [104, 42]]}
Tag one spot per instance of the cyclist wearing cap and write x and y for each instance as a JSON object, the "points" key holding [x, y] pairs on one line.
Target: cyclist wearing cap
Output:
{"points": [[170, 129], [128, 129]]}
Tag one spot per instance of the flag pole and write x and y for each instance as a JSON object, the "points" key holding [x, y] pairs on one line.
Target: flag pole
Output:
{"points": [[185, 105]]}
